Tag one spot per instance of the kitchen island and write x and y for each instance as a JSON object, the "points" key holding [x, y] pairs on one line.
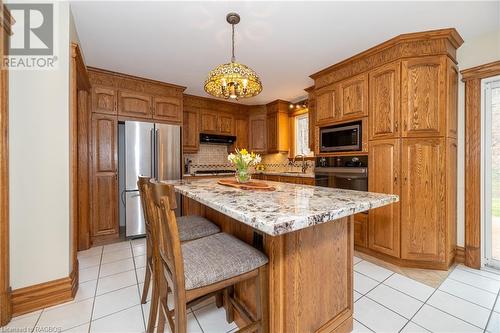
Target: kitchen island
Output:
{"points": [[307, 233]]}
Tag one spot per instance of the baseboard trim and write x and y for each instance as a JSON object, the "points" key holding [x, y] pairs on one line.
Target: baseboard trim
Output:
{"points": [[45, 294], [460, 255]]}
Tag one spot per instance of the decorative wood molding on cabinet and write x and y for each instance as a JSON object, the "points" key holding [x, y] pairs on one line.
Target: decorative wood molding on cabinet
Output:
{"points": [[472, 78], [5, 292], [39, 296]]}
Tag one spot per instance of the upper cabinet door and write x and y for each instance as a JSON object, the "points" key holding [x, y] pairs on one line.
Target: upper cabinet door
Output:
{"points": [[258, 134], [226, 124], [134, 104], [423, 200], [104, 100], [208, 121], [190, 133], [354, 97], [241, 132], [272, 132], [384, 225], [423, 96], [167, 109], [327, 105], [385, 88]]}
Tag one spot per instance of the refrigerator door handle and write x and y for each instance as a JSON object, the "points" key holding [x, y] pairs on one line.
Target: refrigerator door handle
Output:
{"points": [[157, 153], [152, 147]]}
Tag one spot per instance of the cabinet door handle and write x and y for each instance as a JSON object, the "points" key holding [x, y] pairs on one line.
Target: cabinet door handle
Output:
{"points": [[395, 177]]}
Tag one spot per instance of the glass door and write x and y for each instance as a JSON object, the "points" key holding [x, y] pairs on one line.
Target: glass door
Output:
{"points": [[491, 100]]}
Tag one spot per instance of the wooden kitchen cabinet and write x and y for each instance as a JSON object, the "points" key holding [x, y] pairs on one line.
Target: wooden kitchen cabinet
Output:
{"points": [[311, 105], [384, 106], [241, 132], [423, 200], [105, 176], [134, 104], [384, 170], [278, 127], [258, 133], [167, 109], [354, 97], [225, 123], [327, 105], [190, 132], [361, 230], [208, 121], [104, 100], [423, 98]]}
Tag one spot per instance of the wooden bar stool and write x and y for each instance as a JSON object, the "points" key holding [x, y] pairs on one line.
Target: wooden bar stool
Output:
{"points": [[190, 227], [198, 269]]}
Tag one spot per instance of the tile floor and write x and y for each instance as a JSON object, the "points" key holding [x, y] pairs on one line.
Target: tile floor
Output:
{"points": [[112, 277]]}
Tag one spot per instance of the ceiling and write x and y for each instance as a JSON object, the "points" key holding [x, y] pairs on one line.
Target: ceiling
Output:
{"points": [[284, 42]]}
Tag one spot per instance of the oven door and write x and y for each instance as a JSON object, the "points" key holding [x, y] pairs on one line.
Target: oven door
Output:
{"points": [[340, 138], [345, 178]]}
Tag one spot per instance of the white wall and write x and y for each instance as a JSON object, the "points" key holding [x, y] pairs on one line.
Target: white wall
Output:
{"points": [[39, 167], [474, 52]]}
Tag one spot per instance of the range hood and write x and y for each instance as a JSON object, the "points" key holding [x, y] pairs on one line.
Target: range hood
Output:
{"points": [[217, 139]]}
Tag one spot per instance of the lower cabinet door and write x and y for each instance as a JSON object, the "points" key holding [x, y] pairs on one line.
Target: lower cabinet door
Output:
{"points": [[384, 222], [423, 200], [361, 230]]}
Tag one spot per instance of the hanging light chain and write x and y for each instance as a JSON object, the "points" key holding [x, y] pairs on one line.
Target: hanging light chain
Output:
{"points": [[233, 58]]}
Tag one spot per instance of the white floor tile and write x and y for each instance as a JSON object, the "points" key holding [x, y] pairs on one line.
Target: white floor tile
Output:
{"points": [[356, 296], [475, 280], [469, 312], [396, 301], [117, 281], [88, 274], [115, 301], [116, 267], [413, 328], [494, 323], [497, 306], [89, 261], [66, 316], [141, 274], [411, 287], [468, 292], [138, 241], [79, 329], [116, 246], [140, 261], [213, 320], [121, 254], [363, 284], [438, 321], [373, 271], [129, 320], [93, 251], [86, 290], [482, 272], [356, 260], [357, 327], [24, 323], [139, 250], [376, 317]]}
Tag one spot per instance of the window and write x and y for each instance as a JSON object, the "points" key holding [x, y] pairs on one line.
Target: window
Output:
{"points": [[302, 135]]}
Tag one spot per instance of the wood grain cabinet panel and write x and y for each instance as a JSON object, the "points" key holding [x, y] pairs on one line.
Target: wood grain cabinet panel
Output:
{"points": [[354, 101], [384, 106], [361, 230], [452, 100], [167, 109], [190, 133], [423, 96], [423, 200], [209, 121], [225, 123], [241, 132], [134, 104], [258, 134], [272, 132], [384, 171], [104, 100], [327, 109], [105, 180]]}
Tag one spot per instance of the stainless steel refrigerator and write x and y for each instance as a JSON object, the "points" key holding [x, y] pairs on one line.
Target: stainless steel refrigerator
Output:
{"points": [[152, 150]]}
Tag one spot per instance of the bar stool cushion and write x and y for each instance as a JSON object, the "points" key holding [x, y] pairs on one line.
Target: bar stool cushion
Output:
{"points": [[193, 227], [216, 258]]}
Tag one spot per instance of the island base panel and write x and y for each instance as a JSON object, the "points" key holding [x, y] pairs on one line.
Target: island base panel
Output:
{"points": [[310, 274]]}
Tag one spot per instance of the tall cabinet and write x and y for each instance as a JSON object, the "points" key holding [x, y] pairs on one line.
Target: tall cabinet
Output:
{"points": [[412, 143]]}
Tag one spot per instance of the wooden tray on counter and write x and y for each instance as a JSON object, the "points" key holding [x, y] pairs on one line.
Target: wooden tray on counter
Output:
{"points": [[251, 185]]}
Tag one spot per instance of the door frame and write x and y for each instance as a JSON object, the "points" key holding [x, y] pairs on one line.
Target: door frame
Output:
{"points": [[473, 139], [486, 123]]}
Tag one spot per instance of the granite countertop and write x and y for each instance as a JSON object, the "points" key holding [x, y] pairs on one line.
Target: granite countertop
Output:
{"points": [[291, 207]]}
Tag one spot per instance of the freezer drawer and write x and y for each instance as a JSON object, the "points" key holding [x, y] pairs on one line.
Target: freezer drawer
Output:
{"points": [[134, 218]]}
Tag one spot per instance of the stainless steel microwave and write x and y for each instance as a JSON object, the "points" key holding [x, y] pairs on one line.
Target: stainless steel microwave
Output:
{"points": [[344, 137]]}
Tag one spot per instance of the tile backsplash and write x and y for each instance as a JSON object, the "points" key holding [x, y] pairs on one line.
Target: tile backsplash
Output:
{"points": [[211, 157]]}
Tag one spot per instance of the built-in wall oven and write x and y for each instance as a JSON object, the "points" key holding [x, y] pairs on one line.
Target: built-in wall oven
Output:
{"points": [[339, 138], [346, 172]]}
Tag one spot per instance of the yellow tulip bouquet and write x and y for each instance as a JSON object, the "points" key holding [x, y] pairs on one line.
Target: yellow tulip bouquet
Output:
{"points": [[242, 160]]}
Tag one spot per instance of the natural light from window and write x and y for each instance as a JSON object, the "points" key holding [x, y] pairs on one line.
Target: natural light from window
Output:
{"points": [[302, 135]]}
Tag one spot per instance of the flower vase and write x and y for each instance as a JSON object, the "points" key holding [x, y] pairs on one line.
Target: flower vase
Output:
{"points": [[243, 176]]}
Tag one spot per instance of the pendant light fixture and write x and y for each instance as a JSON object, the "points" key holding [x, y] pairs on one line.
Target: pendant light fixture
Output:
{"points": [[233, 80]]}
